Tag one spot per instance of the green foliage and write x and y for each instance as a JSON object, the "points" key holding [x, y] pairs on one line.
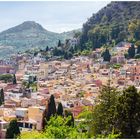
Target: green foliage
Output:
{"points": [[126, 55], [57, 128], [51, 108], [85, 114], [116, 66], [70, 122], [110, 136], [116, 114], [67, 55], [6, 77], [138, 47], [80, 94], [59, 43], [106, 55], [113, 22], [13, 130], [14, 79], [31, 135], [137, 56], [2, 96], [47, 49], [98, 36], [60, 109], [104, 112], [128, 112], [32, 37], [131, 51], [58, 51], [85, 52], [134, 29]]}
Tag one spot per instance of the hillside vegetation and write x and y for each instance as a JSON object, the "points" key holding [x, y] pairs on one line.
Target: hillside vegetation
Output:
{"points": [[29, 35], [110, 24]]}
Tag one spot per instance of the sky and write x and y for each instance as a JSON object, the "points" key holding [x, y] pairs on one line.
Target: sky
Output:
{"points": [[55, 16]]}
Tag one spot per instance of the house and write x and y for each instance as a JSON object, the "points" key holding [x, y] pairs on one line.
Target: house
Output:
{"points": [[118, 59], [76, 110], [3, 127], [36, 113], [5, 69], [21, 113]]}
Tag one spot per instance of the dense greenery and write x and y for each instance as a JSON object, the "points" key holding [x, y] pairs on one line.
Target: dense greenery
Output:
{"points": [[106, 55], [112, 23], [57, 127], [104, 112], [6, 77], [128, 112], [131, 51], [13, 130], [117, 112]]}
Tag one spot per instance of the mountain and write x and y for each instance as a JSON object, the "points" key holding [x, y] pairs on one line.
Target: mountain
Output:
{"points": [[28, 35], [110, 23]]}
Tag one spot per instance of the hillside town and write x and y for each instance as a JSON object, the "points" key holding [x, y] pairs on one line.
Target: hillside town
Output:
{"points": [[75, 83]]}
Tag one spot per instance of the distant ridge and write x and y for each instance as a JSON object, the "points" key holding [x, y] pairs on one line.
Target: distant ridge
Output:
{"points": [[28, 35]]}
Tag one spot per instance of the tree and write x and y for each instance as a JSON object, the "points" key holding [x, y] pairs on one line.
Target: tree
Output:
{"points": [[6, 77], [2, 95], [104, 112], [14, 79], [60, 109], [13, 130], [134, 29], [71, 50], [35, 78], [47, 49], [51, 108], [68, 55], [71, 120], [128, 113], [59, 43], [106, 55], [138, 47], [57, 128], [131, 51]]}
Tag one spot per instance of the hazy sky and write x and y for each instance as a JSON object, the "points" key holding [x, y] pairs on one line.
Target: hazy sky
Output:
{"points": [[54, 16]]}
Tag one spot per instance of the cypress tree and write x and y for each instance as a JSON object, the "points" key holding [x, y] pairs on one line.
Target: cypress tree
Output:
{"points": [[131, 51], [47, 49], [13, 130], [60, 109], [106, 55], [51, 107], [2, 95], [59, 43], [14, 79]]}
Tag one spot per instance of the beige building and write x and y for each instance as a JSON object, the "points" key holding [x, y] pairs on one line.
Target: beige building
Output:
{"points": [[43, 71], [36, 114]]}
